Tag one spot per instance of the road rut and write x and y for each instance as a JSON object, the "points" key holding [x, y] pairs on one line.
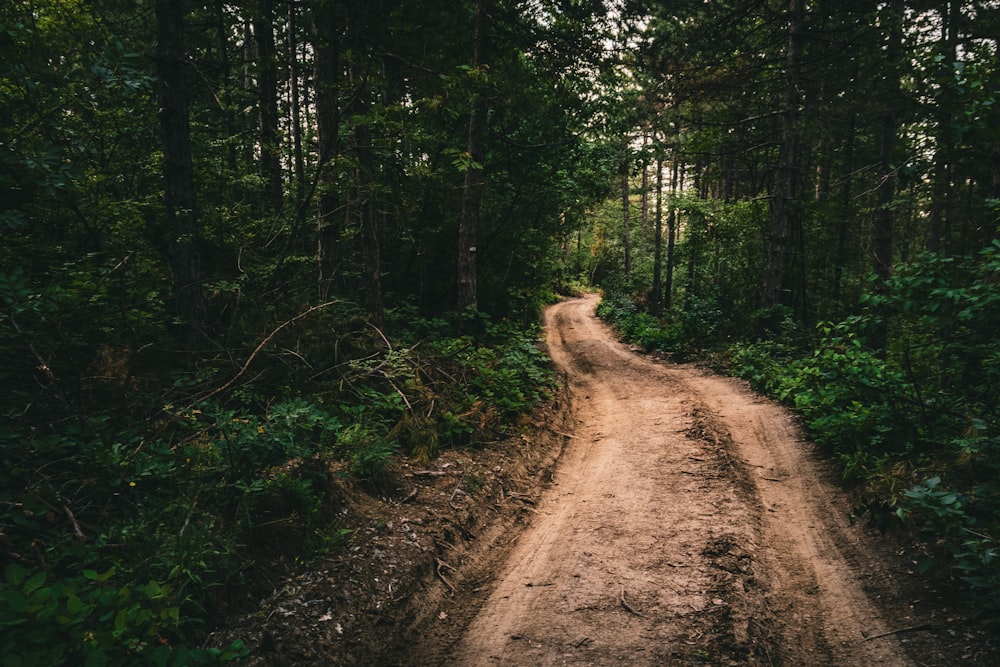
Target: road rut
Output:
{"points": [[688, 522]]}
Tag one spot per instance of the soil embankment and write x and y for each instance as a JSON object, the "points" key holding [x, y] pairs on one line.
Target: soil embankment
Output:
{"points": [[660, 516]]}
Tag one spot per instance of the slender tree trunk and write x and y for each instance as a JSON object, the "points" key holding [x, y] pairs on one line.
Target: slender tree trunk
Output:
{"points": [[475, 182], [847, 212], [225, 67], [298, 159], [644, 201], [657, 296], [888, 131], [668, 282], [179, 238], [326, 47], [269, 163], [784, 205], [941, 233], [626, 227], [369, 236]]}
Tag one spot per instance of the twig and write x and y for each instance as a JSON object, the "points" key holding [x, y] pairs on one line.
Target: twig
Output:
{"points": [[627, 607], [428, 473], [458, 487], [401, 394], [410, 496], [979, 535], [440, 564], [187, 519], [253, 355], [450, 546], [912, 628], [77, 533], [382, 335]]}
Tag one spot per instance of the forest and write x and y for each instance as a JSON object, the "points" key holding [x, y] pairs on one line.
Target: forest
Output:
{"points": [[249, 247]]}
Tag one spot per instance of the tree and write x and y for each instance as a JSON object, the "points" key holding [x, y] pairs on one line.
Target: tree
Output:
{"points": [[267, 103], [178, 235], [784, 205], [472, 189]]}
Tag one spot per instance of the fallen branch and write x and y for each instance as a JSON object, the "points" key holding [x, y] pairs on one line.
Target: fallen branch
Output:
{"points": [[627, 607], [77, 533], [458, 487], [253, 355], [912, 628]]}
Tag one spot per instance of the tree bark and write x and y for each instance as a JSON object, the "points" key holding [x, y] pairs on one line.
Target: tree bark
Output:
{"points": [[888, 131], [269, 164], [475, 182], [326, 46], [784, 205], [179, 239], [298, 159], [626, 230], [668, 280], [657, 296]]}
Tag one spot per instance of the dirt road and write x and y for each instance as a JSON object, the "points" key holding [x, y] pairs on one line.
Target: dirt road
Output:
{"points": [[651, 514], [687, 523]]}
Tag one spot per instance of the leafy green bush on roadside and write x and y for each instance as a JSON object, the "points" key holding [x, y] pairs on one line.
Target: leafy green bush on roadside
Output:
{"points": [[918, 424], [90, 620]]}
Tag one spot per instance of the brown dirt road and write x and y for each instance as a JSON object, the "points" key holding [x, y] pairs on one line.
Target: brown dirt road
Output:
{"points": [[651, 514], [687, 523]]}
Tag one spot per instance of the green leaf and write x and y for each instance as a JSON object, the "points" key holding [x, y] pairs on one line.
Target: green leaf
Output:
{"points": [[14, 574], [96, 658], [121, 621], [75, 605], [36, 581]]}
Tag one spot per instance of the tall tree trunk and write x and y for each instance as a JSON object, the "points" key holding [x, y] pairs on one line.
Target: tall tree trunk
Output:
{"points": [[298, 159], [644, 200], [179, 238], [941, 233], [326, 47], [668, 279], [475, 182], [846, 216], [225, 72], [269, 163], [657, 295], [626, 227], [784, 205], [888, 130], [372, 276]]}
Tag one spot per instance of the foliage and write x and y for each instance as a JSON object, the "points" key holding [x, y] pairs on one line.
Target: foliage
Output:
{"points": [[186, 451], [88, 620], [929, 405], [685, 331]]}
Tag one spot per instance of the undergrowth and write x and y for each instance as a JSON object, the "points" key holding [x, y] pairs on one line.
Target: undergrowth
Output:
{"points": [[144, 493], [913, 426]]}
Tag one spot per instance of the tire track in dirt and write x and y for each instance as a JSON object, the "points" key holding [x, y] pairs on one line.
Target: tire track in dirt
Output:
{"points": [[686, 524]]}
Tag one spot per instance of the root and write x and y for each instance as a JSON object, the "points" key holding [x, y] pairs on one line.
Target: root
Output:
{"points": [[441, 564], [627, 607]]}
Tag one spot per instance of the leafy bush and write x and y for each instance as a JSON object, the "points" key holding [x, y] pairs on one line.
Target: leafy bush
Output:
{"points": [[928, 406], [687, 330], [89, 620]]}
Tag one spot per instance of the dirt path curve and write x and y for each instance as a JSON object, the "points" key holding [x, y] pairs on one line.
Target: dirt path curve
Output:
{"points": [[686, 524]]}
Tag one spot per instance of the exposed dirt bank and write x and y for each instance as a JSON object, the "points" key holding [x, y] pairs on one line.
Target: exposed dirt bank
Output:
{"points": [[686, 522]]}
